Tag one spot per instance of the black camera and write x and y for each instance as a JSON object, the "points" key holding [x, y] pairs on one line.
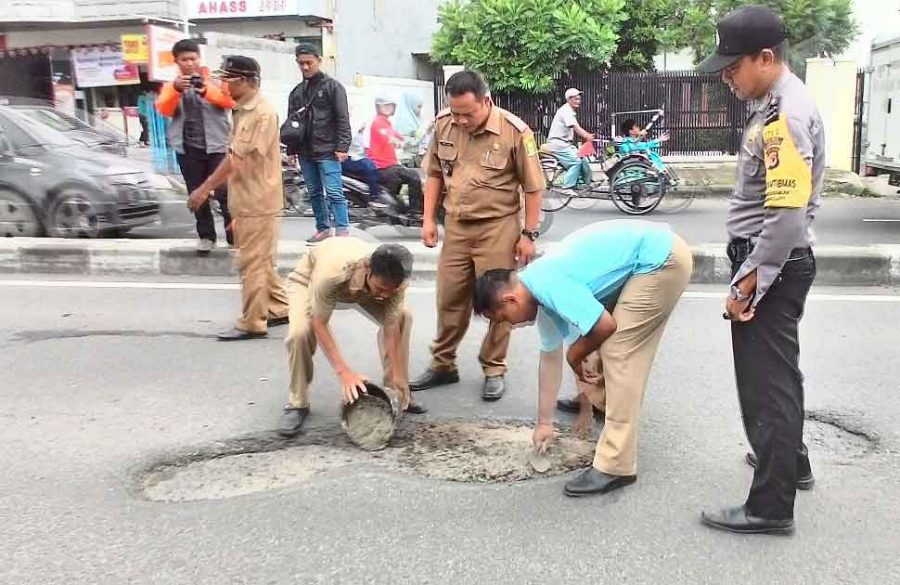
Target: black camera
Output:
{"points": [[197, 81]]}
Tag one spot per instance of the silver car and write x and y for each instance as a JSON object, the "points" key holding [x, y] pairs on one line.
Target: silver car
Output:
{"points": [[53, 185]]}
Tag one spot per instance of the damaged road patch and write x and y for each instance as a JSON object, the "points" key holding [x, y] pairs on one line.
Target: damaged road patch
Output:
{"points": [[474, 451], [480, 451]]}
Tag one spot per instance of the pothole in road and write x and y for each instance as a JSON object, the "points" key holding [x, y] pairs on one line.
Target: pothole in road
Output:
{"points": [[474, 451], [836, 437], [480, 451]]}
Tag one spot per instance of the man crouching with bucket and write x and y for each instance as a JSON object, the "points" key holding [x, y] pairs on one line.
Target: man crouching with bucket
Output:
{"points": [[609, 287], [347, 270]]}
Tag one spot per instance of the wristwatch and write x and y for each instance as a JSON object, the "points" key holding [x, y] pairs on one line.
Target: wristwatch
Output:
{"points": [[531, 234], [737, 294]]}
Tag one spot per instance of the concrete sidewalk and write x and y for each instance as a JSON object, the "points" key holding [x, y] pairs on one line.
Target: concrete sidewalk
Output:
{"points": [[875, 265]]}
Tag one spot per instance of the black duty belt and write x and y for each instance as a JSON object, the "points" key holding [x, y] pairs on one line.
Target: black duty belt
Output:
{"points": [[740, 248]]}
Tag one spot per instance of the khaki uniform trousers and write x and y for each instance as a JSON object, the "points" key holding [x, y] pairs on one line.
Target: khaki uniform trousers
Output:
{"points": [[262, 290], [623, 361], [301, 346], [471, 248]]}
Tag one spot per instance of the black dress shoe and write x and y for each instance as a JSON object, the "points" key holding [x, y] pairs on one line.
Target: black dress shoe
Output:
{"points": [[805, 483], [292, 421], [415, 408], [593, 481], [571, 405], [276, 321], [493, 389], [738, 521], [240, 335], [433, 379]]}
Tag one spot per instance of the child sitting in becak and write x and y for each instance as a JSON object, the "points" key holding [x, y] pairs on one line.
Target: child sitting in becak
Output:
{"points": [[634, 139]]}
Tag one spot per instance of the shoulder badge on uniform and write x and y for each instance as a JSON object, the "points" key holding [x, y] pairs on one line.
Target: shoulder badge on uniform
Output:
{"points": [[531, 148], [516, 121], [443, 113], [772, 110], [788, 176]]}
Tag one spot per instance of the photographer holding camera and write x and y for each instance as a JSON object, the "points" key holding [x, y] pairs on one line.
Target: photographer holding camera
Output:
{"points": [[198, 133]]}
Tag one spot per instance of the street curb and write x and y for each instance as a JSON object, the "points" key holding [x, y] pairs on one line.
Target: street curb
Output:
{"points": [[876, 265]]}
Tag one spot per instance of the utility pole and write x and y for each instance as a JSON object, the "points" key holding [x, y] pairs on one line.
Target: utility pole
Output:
{"points": [[183, 10]]}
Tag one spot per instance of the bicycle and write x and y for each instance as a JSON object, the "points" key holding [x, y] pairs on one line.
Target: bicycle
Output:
{"points": [[632, 181]]}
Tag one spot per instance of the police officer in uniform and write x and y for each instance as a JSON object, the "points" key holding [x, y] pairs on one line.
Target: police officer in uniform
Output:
{"points": [[779, 182], [253, 171], [479, 161]]}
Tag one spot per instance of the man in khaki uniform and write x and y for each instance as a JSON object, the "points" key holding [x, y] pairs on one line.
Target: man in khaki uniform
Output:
{"points": [[347, 270], [253, 171], [483, 156]]}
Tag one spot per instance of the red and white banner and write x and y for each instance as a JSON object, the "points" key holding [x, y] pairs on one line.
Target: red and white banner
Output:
{"points": [[103, 66], [200, 9]]}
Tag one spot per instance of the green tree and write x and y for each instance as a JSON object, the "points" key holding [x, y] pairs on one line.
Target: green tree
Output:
{"points": [[814, 27], [642, 34], [525, 44]]}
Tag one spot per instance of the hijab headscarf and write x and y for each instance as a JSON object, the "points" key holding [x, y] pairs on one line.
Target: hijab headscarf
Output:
{"points": [[407, 121]]}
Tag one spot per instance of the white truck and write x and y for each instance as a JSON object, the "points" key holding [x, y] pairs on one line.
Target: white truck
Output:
{"points": [[881, 146]]}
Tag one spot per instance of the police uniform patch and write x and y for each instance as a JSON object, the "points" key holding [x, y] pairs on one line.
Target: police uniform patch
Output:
{"points": [[788, 176], [531, 148], [773, 148]]}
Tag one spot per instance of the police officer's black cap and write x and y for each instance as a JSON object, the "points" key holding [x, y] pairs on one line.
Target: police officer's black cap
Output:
{"points": [[238, 66], [745, 31]]}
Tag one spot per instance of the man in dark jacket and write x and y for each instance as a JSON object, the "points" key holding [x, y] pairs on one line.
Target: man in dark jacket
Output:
{"points": [[325, 145]]}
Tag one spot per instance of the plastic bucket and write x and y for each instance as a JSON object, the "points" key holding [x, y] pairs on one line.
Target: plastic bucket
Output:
{"points": [[370, 421]]}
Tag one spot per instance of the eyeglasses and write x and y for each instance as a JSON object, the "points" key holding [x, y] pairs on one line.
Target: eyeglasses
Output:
{"points": [[732, 69]]}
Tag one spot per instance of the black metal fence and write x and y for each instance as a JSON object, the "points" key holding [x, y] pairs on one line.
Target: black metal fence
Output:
{"points": [[702, 116], [856, 157]]}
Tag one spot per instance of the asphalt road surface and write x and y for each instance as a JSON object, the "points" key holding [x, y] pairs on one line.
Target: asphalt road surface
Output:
{"points": [[841, 221], [103, 379]]}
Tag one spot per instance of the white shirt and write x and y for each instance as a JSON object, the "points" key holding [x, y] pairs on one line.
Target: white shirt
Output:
{"points": [[562, 130]]}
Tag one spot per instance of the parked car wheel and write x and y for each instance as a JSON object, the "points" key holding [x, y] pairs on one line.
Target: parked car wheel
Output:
{"points": [[118, 232], [73, 215], [17, 216]]}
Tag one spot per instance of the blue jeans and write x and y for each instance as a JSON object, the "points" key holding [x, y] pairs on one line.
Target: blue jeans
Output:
{"points": [[326, 193], [575, 167], [366, 171]]}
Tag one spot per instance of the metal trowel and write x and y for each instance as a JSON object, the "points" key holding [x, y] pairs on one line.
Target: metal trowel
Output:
{"points": [[538, 459]]}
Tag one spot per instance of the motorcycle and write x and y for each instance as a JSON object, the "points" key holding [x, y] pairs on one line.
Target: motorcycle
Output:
{"points": [[365, 211], [383, 209]]}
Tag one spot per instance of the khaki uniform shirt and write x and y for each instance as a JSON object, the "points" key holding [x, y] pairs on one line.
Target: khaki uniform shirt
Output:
{"points": [[482, 172], [256, 189], [335, 272], [781, 172]]}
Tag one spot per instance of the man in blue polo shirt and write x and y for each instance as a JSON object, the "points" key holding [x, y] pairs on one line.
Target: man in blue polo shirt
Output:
{"points": [[607, 288]]}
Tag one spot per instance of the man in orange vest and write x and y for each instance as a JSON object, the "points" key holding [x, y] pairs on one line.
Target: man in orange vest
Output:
{"points": [[198, 133]]}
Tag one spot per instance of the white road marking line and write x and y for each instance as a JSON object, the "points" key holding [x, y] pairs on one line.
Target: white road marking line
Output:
{"points": [[120, 284], [812, 296], [859, 298], [879, 220]]}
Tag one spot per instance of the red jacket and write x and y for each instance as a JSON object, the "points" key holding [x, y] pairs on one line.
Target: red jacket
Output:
{"points": [[381, 150]]}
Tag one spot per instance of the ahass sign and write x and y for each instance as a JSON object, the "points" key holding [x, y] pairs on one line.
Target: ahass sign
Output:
{"points": [[199, 9]]}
